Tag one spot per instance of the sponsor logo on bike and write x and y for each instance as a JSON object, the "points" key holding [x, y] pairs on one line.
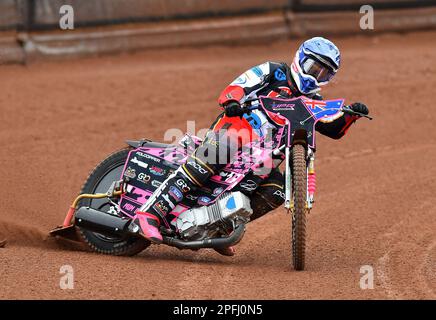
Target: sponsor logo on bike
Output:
{"points": [[229, 177], [129, 207], [161, 208], [191, 197], [183, 185], [204, 201], [156, 183], [283, 106], [197, 167], [157, 171], [130, 173], [176, 194], [144, 178], [280, 193], [217, 191], [248, 185], [147, 156], [140, 163]]}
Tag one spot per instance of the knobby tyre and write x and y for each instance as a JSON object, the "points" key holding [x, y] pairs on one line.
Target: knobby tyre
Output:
{"points": [[299, 182], [99, 180]]}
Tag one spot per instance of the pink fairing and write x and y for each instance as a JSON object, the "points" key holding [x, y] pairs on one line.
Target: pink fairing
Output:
{"points": [[311, 183]]}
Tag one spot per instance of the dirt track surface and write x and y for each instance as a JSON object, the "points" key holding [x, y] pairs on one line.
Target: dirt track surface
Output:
{"points": [[376, 186]]}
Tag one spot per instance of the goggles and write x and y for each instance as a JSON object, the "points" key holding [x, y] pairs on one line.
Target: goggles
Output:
{"points": [[320, 71]]}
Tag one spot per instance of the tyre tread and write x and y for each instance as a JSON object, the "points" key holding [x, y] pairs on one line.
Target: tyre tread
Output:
{"points": [[128, 249]]}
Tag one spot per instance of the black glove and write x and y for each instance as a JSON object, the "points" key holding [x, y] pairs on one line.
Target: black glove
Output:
{"points": [[359, 107], [316, 96], [234, 109]]}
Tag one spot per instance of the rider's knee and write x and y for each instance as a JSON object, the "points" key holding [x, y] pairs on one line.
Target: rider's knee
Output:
{"points": [[197, 171], [207, 160], [273, 193], [268, 196]]}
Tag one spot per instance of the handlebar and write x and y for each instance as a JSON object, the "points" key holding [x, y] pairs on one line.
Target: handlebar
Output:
{"points": [[251, 108], [247, 106]]}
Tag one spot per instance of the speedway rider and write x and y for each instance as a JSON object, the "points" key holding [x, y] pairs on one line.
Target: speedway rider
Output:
{"points": [[315, 63]]}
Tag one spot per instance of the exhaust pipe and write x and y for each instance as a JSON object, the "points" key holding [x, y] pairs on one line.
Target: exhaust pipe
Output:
{"points": [[101, 222], [110, 225], [231, 240]]}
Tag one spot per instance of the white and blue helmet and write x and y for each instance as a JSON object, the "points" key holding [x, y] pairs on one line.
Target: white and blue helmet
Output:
{"points": [[315, 63]]}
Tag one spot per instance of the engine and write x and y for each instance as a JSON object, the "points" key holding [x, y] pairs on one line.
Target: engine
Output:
{"points": [[231, 209]]}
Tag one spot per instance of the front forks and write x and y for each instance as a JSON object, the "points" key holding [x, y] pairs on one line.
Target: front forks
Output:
{"points": [[289, 203], [311, 180]]}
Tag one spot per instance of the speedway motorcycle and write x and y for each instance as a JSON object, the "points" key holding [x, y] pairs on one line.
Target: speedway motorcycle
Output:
{"points": [[215, 215]]}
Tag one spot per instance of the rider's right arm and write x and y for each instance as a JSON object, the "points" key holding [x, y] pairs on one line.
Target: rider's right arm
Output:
{"points": [[336, 129], [246, 85]]}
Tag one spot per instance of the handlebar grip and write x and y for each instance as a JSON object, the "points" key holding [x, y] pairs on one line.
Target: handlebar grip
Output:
{"points": [[354, 113]]}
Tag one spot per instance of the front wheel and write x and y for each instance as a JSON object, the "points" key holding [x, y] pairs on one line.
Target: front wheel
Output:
{"points": [[299, 183], [99, 181]]}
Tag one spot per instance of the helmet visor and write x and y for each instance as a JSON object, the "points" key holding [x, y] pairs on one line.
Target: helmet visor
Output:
{"points": [[318, 70]]}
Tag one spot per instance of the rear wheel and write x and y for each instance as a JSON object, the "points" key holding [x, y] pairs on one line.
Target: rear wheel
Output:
{"points": [[299, 182], [99, 181]]}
